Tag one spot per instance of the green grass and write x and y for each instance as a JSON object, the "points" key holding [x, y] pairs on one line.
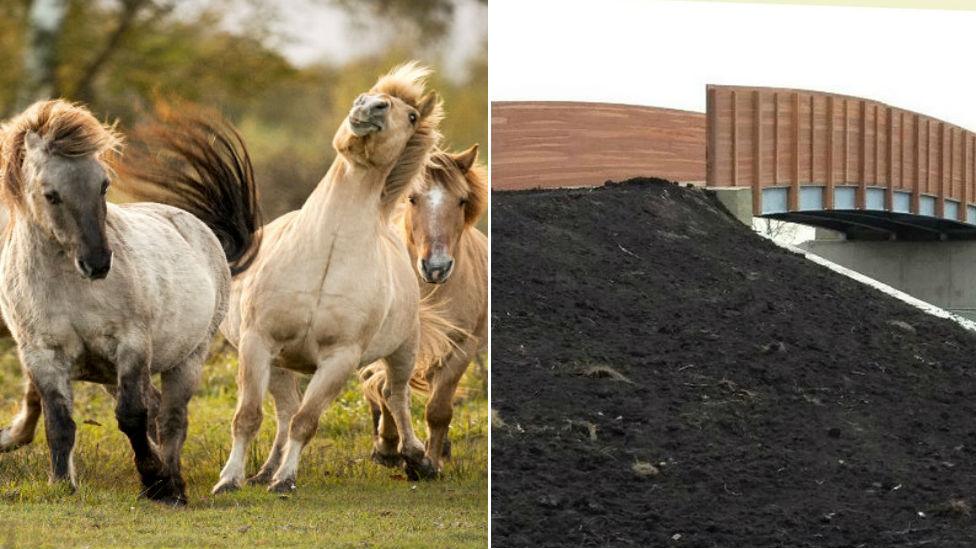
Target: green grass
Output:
{"points": [[343, 499]]}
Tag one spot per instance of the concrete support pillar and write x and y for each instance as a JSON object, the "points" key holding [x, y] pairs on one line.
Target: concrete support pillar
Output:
{"points": [[737, 200], [941, 273]]}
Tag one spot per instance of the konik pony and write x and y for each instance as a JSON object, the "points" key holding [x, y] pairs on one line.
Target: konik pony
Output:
{"points": [[451, 259], [111, 293], [331, 289]]}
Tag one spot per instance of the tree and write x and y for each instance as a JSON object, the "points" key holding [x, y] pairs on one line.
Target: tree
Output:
{"points": [[45, 22], [431, 17]]}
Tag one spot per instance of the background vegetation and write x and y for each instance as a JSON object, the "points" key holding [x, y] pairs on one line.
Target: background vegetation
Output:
{"points": [[119, 56]]}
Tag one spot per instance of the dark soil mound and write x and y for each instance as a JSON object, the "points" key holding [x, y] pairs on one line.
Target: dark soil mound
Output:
{"points": [[637, 326]]}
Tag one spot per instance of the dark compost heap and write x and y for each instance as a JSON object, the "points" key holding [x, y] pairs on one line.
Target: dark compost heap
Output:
{"points": [[776, 402]]}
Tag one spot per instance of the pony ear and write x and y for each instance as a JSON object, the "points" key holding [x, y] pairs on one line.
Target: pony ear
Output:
{"points": [[465, 160], [427, 104], [33, 142]]}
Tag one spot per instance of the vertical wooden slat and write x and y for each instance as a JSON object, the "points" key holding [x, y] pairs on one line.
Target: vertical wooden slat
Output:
{"points": [[952, 162], [829, 189], [813, 139], [940, 197], [846, 154], [901, 150], [862, 182], [775, 138], [917, 190], [972, 194], [961, 213], [942, 169], [735, 142], [757, 152], [890, 186], [928, 155], [711, 144], [794, 198], [877, 147]]}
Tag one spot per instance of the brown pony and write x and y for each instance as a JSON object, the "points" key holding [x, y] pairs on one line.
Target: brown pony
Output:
{"points": [[332, 289], [451, 260]]}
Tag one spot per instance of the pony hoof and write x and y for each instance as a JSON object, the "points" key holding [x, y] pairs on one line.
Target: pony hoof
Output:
{"points": [[169, 491], [173, 500], [224, 487], [421, 469], [262, 478], [285, 486], [386, 460]]}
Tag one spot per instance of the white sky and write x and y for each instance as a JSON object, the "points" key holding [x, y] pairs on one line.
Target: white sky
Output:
{"points": [[318, 30], [662, 53], [312, 31]]}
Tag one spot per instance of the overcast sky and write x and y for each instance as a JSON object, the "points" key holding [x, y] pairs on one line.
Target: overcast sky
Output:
{"points": [[662, 53], [317, 30]]}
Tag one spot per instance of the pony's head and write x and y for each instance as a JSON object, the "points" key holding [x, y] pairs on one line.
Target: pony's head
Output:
{"points": [[394, 118], [52, 175], [451, 196]]}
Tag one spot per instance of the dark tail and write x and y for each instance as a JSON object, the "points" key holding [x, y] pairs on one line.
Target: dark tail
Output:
{"points": [[195, 160]]}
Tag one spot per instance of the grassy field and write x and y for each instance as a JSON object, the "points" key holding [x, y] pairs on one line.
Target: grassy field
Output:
{"points": [[343, 499]]}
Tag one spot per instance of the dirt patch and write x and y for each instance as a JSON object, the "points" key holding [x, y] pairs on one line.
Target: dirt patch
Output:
{"points": [[778, 403]]}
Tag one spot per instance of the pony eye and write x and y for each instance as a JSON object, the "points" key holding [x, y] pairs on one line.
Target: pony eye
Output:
{"points": [[413, 199], [104, 186], [413, 118], [52, 197], [463, 202]]}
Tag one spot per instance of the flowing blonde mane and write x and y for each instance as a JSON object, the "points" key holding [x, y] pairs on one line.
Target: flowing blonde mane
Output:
{"points": [[408, 83], [441, 169], [65, 129]]}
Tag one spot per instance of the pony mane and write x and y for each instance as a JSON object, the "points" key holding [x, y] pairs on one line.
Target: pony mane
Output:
{"points": [[442, 170], [408, 82], [65, 129]]}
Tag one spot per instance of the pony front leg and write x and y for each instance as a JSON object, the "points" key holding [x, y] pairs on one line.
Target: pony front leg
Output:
{"points": [[21, 430], [49, 374], [399, 369], [252, 382], [440, 405], [287, 398], [326, 383]]}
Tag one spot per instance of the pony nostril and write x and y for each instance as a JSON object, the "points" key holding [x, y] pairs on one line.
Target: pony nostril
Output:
{"points": [[84, 267], [96, 269]]}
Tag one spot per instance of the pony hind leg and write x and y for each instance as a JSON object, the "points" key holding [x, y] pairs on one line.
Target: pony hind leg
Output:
{"points": [[386, 439], [325, 385], [396, 392], [178, 386], [283, 386], [253, 375], [22, 428]]}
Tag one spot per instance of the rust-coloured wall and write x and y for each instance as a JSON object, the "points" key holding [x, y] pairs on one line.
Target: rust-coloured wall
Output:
{"points": [[560, 144], [770, 137]]}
